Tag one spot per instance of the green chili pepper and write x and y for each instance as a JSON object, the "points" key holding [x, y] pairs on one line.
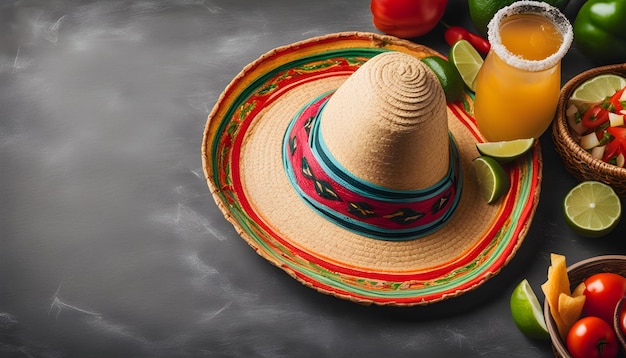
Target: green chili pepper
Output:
{"points": [[600, 31]]}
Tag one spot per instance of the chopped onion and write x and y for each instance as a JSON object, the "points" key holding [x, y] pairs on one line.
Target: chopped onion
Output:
{"points": [[570, 113], [589, 141], [616, 120], [620, 160], [598, 152]]}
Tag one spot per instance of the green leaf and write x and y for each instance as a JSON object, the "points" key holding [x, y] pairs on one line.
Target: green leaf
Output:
{"points": [[267, 89], [355, 60], [246, 108], [314, 67]]}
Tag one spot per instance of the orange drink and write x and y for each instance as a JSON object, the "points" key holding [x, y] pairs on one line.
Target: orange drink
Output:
{"points": [[518, 85]]}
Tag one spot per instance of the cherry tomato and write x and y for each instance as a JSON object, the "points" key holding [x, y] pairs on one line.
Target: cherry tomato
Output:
{"points": [[602, 292], [595, 116], [592, 337], [407, 18]]}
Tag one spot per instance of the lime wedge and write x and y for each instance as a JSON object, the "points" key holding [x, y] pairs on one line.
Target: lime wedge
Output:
{"points": [[592, 209], [467, 61], [505, 151], [527, 312], [596, 89], [492, 179]]}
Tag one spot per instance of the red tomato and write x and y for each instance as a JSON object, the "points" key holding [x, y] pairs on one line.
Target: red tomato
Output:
{"points": [[595, 116], [602, 292], [407, 18], [592, 337], [619, 133], [612, 149], [614, 101]]}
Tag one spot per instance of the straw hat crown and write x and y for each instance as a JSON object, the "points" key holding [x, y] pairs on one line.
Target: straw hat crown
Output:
{"points": [[387, 124]]}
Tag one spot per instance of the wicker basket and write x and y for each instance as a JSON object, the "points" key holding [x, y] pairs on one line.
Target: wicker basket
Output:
{"points": [[577, 273], [578, 161]]}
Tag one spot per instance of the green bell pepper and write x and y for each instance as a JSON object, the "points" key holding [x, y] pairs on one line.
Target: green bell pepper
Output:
{"points": [[600, 31]]}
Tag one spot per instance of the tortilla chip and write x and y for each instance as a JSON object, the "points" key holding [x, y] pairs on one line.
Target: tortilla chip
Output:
{"points": [[579, 290], [556, 285], [558, 281], [559, 271], [569, 310], [552, 295]]}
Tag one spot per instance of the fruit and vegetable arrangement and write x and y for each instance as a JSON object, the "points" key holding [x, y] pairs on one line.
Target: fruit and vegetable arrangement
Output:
{"points": [[597, 111], [595, 115], [589, 319], [599, 26]]}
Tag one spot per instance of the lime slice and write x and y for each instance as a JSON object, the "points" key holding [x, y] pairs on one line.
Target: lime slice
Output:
{"points": [[492, 179], [467, 61], [592, 209], [527, 312], [505, 151], [448, 75], [596, 89]]}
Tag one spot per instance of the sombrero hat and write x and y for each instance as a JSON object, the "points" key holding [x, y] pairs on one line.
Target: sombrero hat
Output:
{"points": [[338, 160]]}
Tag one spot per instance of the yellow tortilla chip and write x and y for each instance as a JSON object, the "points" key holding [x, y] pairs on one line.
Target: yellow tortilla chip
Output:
{"points": [[552, 295], [559, 272], [579, 290], [569, 310], [557, 284]]}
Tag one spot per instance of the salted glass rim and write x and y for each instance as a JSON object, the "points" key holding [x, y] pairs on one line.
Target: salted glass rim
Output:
{"points": [[531, 7]]}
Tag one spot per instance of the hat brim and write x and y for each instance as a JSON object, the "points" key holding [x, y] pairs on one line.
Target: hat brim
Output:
{"points": [[241, 154]]}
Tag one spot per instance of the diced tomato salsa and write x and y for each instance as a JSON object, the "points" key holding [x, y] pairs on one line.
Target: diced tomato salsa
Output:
{"points": [[601, 127]]}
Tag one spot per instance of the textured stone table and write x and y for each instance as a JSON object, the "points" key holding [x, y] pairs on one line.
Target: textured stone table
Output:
{"points": [[110, 243]]}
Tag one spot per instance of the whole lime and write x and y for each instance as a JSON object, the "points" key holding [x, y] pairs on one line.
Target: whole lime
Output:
{"points": [[448, 75], [481, 11]]}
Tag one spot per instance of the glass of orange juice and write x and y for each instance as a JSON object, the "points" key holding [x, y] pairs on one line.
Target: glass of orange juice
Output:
{"points": [[518, 85]]}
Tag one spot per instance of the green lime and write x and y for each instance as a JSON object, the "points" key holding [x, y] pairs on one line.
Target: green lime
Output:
{"points": [[467, 61], [596, 89], [527, 312], [592, 209], [506, 151], [448, 75], [492, 179], [481, 11]]}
